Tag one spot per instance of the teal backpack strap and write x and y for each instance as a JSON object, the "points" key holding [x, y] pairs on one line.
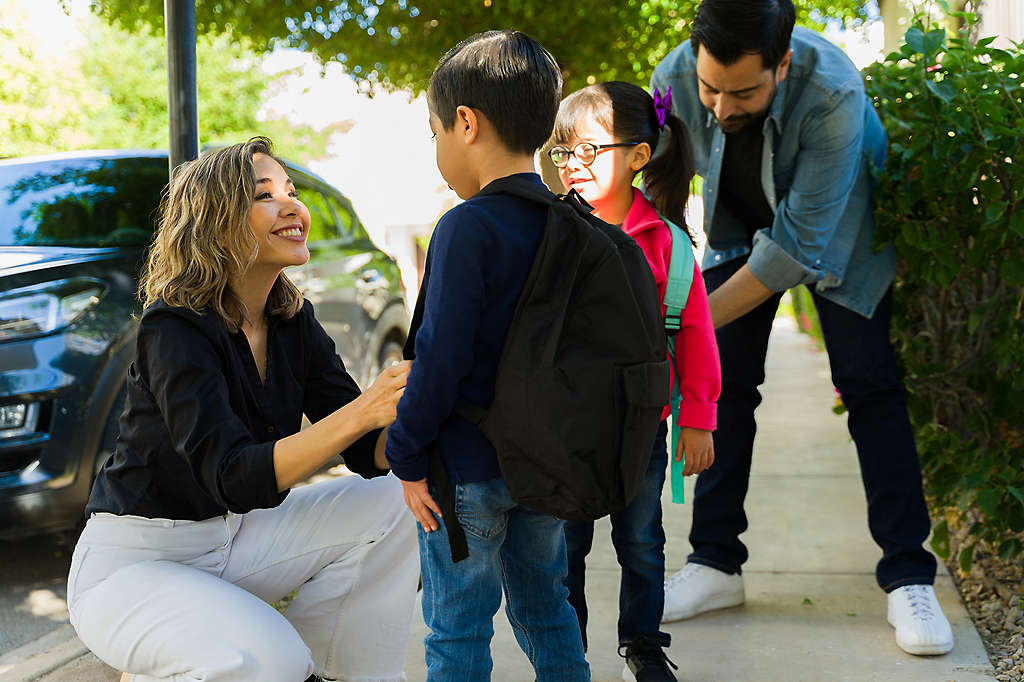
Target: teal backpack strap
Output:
{"points": [[677, 291], [680, 277]]}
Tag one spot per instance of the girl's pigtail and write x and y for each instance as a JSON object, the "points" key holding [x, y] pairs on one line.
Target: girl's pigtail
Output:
{"points": [[667, 176]]}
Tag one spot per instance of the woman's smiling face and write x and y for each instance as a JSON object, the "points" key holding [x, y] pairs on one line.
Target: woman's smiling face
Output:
{"points": [[278, 220]]}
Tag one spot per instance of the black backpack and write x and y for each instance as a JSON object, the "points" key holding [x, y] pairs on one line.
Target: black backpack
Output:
{"points": [[583, 376]]}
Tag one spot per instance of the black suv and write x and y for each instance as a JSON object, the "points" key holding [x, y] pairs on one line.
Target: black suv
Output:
{"points": [[73, 229]]}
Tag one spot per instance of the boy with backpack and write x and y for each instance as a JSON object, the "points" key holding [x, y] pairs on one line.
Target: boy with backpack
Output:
{"points": [[492, 102]]}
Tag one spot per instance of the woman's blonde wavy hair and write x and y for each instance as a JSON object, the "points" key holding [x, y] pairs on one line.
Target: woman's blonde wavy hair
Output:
{"points": [[203, 240]]}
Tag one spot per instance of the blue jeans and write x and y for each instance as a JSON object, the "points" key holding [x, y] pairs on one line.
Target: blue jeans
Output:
{"points": [[639, 541], [864, 371], [511, 549]]}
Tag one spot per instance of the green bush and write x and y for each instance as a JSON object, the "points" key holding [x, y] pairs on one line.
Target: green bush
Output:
{"points": [[806, 315], [951, 200]]}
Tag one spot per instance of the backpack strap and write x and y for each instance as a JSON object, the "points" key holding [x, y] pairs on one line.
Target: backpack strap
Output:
{"points": [[519, 186], [438, 476], [471, 412], [677, 291], [524, 188], [680, 278], [445, 492]]}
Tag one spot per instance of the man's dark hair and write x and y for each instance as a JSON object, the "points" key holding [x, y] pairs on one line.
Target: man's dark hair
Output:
{"points": [[729, 29], [509, 78]]}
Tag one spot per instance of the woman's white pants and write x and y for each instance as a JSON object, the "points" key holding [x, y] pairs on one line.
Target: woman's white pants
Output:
{"points": [[184, 600]]}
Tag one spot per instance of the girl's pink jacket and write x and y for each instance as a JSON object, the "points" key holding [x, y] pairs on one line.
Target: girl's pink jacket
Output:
{"points": [[696, 365]]}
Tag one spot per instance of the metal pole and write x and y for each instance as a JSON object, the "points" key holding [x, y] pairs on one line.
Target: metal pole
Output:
{"points": [[180, 29]]}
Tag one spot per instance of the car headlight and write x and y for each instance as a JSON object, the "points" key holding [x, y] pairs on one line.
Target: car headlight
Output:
{"points": [[17, 420], [44, 308]]}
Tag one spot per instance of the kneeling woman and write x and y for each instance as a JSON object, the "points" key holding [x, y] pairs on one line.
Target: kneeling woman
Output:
{"points": [[192, 527]]}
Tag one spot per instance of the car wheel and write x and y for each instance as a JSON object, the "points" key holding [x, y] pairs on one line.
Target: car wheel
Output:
{"points": [[390, 353]]}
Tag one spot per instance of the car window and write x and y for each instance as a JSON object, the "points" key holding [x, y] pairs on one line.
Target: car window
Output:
{"points": [[350, 225], [321, 222], [81, 202], [342, 213]]}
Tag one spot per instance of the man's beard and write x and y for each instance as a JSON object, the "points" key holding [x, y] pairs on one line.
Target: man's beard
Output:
{"points": [[734, 124]]}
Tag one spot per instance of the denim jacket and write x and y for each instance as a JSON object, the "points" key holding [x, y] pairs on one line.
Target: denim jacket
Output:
{"points": [[819, 135]]}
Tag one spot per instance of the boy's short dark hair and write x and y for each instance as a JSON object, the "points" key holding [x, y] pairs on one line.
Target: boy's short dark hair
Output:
{"points": [[509, 78], [729, 29]]}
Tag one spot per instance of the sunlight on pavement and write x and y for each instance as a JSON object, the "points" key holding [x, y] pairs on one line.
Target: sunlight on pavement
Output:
{"points": [[44, 604]]}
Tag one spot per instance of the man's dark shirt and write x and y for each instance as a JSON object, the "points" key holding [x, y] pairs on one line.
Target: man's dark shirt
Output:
{"points": [[199, 426], [740, 184]]}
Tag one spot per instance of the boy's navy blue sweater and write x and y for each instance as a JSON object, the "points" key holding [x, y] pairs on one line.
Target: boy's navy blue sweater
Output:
{"points": [[479, 257]]}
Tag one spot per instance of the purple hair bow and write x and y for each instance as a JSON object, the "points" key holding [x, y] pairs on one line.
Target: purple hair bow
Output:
{"points": [[662, 105]]}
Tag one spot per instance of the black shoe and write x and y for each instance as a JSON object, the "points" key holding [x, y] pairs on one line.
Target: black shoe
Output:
{"points": [[646, 660]]}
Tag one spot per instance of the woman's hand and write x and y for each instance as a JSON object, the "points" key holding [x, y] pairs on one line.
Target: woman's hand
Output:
{"points": [[300, 454], [699, 447], [378, 403]]}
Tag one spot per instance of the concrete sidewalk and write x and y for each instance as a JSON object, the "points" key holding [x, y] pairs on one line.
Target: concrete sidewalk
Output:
{"points": [[813, 611]]}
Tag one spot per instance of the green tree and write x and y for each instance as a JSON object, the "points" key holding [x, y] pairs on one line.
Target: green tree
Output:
{"points": [[111, 92], [397, 43]]}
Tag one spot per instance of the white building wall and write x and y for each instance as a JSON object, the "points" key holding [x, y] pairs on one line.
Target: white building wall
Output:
{"points": [[1003, 18]]}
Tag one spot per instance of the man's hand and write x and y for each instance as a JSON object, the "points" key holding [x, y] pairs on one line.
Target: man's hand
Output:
{"points": [[699, 447], [419, 501]]}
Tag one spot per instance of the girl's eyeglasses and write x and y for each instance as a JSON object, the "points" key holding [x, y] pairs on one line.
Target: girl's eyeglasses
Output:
{"points": [[584, 151]]}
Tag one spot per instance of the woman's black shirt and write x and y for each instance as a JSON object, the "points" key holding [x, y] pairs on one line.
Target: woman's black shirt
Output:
{"points": [[198, 429]]}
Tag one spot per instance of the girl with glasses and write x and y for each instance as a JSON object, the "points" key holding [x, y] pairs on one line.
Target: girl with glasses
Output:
{"points": [[605, 135]]}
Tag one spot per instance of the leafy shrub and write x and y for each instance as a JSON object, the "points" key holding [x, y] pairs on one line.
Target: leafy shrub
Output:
{"points": [[951, 200], [805, 314]]}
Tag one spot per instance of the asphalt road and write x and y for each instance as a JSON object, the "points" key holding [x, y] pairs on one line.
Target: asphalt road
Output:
{"points": [[33, 588]]}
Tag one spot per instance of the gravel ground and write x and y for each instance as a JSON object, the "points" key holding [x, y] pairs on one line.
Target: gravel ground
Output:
{"points": [[994, 594]]}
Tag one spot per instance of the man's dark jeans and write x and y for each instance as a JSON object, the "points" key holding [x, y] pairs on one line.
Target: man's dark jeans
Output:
{"points": [[864, 371], [639, 541]]}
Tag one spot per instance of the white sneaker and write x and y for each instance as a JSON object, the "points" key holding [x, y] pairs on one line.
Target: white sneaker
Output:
{"points": [[921, 626], [698, 588]]}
